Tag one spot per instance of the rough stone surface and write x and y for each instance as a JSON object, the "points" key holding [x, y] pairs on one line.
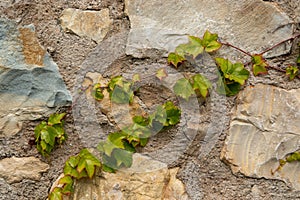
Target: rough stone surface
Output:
{"points": [[252, 25], [92, 24], [30, 84], [16, 169], [265, 127], [146, 179]]}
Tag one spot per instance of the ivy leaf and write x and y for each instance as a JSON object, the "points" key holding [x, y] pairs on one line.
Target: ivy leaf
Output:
{"points": [[141, 120], [202, 84], [227, 88], [123, 157], [160, 115], [293, 157], [108, 169], [88, 162], [210, 42], [69, 170], [116, 139], [183, 88], [120, 91], [73, 161], [56, 194], [38, 129], [292, 72], [193, 48], [55, 118], [234, 72], [173, 113], [97, 92], [106, 147], [48, 135], [161, 74], [174, 59], [259, 65], [118, 80], [66, 180]]}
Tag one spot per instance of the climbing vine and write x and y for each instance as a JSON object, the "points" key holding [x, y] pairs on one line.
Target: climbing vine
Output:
{"points": [[118, 148]]}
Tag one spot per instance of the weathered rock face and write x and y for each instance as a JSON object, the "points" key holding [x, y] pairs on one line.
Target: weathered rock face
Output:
{"points": [[16, 169], [265, 127], [146, 179], [30, 84], [252, 25], [92, 24]]}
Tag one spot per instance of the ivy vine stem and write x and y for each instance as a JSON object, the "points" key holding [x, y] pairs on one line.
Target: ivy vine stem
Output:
{"points": [[237, 48], [282, 42]]}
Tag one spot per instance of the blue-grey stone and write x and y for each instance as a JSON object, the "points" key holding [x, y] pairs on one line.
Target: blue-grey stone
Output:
{"points": [[30, 83]]}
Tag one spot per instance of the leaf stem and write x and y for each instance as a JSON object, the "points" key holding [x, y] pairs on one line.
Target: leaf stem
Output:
{"points": [[276, 45], [237, 48]]}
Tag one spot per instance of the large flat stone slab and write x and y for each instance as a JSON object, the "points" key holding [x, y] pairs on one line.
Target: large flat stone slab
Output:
{"points": [[16, 169], [30, 83], [252, 25], [92, 24], [265, 127]]}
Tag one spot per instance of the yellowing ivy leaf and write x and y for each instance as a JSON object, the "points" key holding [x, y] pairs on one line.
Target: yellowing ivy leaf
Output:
{"points": [[233, 72], [183, 88], [175, 59], [193, 48], [56, 194], [259, 65], [97, 92], [292, 72], [210, 42], [201, 83], [88, 162], [136, 78], [55, 118], [161, 74]]}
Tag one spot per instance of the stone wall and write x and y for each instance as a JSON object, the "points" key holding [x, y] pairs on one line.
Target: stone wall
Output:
{"points": [[224, 148]]}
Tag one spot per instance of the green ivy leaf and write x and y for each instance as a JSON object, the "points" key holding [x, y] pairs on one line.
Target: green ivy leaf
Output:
{"points": [[116, 139], [88, 162], [210, 42], [69, 170], [118, 80], [66, 180], [141, 120], [55, 118], [160, 115], [56, 194], [73, 161], [97, 92], [292, 72], [38, 129], [175, 59], [123, 157], [193, 48], [108, 169], [161, 74], [183, 88], [106, 147], [173, 113], [227, 88], [234, 72], [259, 65], [202, 84]]}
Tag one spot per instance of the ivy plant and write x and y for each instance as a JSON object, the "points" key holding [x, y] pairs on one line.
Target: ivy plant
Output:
{"points": [[76, 167], [49, 134]]}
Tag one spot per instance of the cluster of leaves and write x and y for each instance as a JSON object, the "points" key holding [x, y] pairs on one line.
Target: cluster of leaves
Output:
{"points": [[49, 134], [186, 87], [196, 46], [76, 167], [120, 90], [231, 76], [119, 146]]}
